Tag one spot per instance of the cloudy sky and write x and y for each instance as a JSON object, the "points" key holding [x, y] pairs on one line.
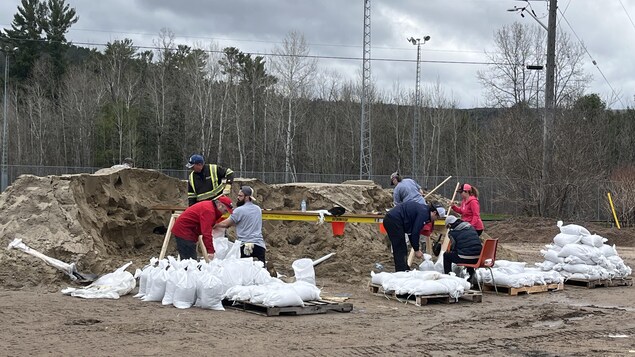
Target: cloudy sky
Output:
{"points": [[461, 32]]}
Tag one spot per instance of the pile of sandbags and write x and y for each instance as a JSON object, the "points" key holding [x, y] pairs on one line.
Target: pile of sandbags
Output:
{"points": [[516, 275], [578, 254], [417, 283], [188, 283]]}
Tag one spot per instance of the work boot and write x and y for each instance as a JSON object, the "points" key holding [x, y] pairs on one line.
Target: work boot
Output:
{"points": [[473, 281]]}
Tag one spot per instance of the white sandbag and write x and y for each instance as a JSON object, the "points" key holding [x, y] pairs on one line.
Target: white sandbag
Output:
{"points": [[378, 278], [156, 285], [143, 278], [608, 251], [281, 296], [552, 256], [221, 247], [427, 264], [430, 287], [573, 229], [593, 240], [303, 270], [234, 251], [210, 292], [546, 277], [170, 286], [110, 286], [572, 259], [553, 247], [262, 277], [185, 292], [306, 291], [438, 266], [510, 267], [562, 239], [259, 292], [239, 293], [546, 265], [424, 275], [587, 253], [455, 286]]}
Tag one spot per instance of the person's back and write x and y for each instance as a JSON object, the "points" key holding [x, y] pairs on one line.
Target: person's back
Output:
{"points": [[408, 190], [465, 240], [248, 220]]}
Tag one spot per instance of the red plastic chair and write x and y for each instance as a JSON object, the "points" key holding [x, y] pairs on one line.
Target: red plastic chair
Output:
{"points": [[485, 260]]}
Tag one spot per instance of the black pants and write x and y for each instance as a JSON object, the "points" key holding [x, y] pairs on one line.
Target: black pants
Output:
{"points": [[397, 240], [186, 248], [258, 252], [453, 257], [479, 231]]}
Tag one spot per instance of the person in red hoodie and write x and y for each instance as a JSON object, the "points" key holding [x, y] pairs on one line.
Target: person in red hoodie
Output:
{"points": [[196, 220], [470, 209]]}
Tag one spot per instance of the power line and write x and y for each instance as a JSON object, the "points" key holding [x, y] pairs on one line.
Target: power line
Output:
{"points": [[288, 55], [592, 59], [629, 16]]}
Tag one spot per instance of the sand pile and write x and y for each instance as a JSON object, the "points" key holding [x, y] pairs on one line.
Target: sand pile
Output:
{"points": [[103, 220]]}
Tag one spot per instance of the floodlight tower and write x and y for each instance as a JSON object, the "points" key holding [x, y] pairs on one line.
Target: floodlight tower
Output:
{"points": [[365, 147], [4, 174], [416, 119]]}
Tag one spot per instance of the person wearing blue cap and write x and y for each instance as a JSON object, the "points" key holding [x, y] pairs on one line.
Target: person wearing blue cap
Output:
{"points": [[206, 181], [408, 218]]}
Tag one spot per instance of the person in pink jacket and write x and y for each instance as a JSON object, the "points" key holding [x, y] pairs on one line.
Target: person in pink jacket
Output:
{"points": [[470, 209]]}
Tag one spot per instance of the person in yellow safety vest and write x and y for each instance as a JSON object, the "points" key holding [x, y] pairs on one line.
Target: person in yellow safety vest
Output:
{"points": [[206, 181]]}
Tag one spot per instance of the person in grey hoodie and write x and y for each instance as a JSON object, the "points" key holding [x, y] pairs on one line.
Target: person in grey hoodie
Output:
{"points": [[465, 245]]}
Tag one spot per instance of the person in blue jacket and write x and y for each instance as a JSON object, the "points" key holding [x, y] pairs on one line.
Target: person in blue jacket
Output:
{"points": [[408, 218]]}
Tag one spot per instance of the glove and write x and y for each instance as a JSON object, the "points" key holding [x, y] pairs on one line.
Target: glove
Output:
{"points": [[227, 190], [249, 248]]}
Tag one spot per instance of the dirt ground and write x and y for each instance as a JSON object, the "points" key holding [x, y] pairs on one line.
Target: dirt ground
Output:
{"points": [[37, 319]]}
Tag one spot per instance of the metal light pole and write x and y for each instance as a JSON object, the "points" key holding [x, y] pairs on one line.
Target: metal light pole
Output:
{"points": [[416, 120], [4, 180]]}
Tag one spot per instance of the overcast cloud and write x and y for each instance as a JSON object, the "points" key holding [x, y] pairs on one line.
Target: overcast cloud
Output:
{"points": [[460, 30]]}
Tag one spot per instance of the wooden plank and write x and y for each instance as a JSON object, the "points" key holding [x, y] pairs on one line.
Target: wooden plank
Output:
{"points": [[310, 308], [419, 300], [602, 283], [512, 291]]}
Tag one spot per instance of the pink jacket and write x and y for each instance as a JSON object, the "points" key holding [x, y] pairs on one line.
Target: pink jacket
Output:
{"points": [[470, 212]]}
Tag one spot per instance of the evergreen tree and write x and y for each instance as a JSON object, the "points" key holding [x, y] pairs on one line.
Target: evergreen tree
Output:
{"points": [[59, 18]]}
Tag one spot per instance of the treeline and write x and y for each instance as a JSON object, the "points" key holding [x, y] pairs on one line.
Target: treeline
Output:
{"points": [[283, 114]]}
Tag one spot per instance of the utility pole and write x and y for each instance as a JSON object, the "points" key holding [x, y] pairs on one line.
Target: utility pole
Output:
{"points": [[365, 144], [550, 112], [417, 114]]}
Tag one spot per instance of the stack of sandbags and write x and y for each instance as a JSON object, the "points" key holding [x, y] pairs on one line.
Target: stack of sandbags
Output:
{"points": [[578, 254], [516, 275], [417, 283]]}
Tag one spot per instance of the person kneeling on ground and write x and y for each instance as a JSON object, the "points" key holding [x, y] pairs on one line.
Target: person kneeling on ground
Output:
{"points": [[465, 246], [408, 218], [247, 218]]}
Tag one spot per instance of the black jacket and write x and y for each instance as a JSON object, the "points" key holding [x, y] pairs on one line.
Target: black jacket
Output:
{"points": [[208, 184], [465, 241]]}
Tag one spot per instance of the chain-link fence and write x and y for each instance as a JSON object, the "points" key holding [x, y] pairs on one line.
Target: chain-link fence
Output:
{"points": [[493, 197]]}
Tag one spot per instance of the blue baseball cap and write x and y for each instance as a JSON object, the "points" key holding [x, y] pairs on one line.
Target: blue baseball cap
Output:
{"points": [[195, 159]]}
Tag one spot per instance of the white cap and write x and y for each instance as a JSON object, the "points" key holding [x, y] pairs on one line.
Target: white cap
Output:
{"points": [[450, 220]]}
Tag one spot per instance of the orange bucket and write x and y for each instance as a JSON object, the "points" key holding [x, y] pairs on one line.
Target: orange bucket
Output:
{"points": [[338, 228], [382, 229]]}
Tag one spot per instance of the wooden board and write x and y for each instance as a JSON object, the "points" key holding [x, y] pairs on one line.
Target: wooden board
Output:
{"points": [[419, 300], [524, 289], [592, 284], [309, 308]]}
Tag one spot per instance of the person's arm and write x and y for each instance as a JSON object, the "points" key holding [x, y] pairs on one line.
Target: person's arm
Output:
{"points": [[457, 209], [226, 223], [396, 195]]}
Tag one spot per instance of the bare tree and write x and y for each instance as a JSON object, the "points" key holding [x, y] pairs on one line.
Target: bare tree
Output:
{"points": [[295, 73]]}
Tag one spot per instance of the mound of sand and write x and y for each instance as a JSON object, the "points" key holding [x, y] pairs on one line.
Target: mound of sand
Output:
{"points": [[102, 220]]}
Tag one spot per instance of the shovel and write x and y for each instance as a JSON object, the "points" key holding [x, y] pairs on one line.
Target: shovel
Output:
{"points": [[68, 269]]}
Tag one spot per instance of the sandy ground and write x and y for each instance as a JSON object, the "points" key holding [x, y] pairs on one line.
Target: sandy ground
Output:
{"points": [[573, 322]]}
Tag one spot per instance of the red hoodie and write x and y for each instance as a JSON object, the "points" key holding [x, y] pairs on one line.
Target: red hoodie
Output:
{"points": [[470, 212], [198, 220]]}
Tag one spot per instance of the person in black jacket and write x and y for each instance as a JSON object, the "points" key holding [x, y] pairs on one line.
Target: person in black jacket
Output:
{"points": [[408, 218], [465, 245], [206, 181]]}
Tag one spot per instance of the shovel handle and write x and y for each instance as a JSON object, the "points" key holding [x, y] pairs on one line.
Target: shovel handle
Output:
{"points": [[168, 234]]}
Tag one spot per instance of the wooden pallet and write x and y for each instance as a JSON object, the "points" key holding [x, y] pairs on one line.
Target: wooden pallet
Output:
{"points": [[591, 284], [524, 289], [309, 308], [470, 295]]}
